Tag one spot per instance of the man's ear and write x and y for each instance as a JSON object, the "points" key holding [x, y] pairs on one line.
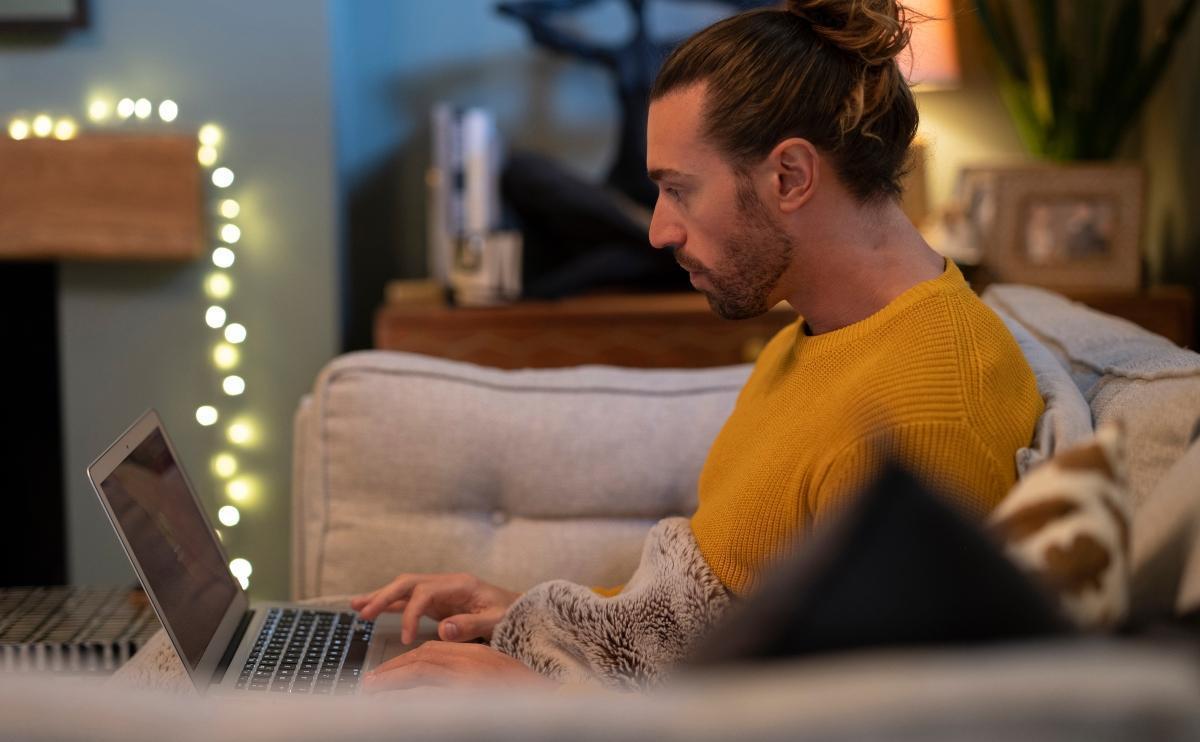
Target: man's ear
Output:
{"points": [[796, 167]]}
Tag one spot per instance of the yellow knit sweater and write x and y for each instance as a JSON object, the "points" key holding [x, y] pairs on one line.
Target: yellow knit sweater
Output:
{"points": [[933, 379]]}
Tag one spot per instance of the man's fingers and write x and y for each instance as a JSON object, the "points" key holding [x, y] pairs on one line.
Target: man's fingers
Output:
{"points": [[412, 674], [467, 626], [397, 589], [432, 663], [418, 602]]}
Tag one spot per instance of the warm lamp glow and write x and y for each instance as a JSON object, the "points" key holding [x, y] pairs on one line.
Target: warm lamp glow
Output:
{"points": [[218, 286], [125, 107], [65, 129], [229, 516], [225, 356], [206, 415], [239, 490], [99, 110], [230, 233], [206, 155], [223, 257], [18, 129], [235, 333], [168, 110], [222, 177], [225, 465], [230, 208], [142, 108], [215, 317], [42, 125], [211, 135], [240, 433], [931, 60], [233, 385], [241, 568]]}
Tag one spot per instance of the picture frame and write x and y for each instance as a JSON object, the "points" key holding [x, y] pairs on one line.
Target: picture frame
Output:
{"points": [[1072, 228], [42, 15]]}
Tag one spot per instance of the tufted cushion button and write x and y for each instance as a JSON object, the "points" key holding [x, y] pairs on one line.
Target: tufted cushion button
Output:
{"points": [[499, 517]]}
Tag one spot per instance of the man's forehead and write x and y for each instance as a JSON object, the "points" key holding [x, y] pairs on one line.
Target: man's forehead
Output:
{"points": [[674, 143]]}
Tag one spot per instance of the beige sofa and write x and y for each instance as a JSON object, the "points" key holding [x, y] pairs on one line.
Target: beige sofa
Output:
{"points": [[408, 463]]}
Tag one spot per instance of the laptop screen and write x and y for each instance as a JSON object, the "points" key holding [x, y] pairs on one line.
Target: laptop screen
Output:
{"points": [[179, 556]]}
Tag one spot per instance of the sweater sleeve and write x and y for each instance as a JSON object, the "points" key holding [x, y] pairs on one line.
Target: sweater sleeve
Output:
{"points": [[947, 456]]}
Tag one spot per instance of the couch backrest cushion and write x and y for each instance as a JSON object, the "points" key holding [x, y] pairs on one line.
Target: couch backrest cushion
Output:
{"points": [[406, 463], [1124, 372], [1166, 543]]}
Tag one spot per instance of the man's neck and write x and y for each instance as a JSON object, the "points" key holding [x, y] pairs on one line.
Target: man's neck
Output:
{"points": [[857, 266]]}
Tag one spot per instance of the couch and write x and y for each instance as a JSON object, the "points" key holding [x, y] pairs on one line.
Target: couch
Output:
{"points": [[409, 463]]}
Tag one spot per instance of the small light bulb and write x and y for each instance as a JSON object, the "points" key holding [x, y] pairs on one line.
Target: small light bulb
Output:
{"points": [[168, 110], [233, 385], [239, 433], [222, 177], [210, 134], [42, 125], [241, 568], [238, 490], [235, 333], [244, 582], [230, 208], [215, 317], [142, 108], [125, 107], [225, 356], [229, 515], [218, 286], [223, 257], [18, 129], [206, 155], [99, 110], [230, 233], [206, 415], [225, 465], [65, 129]]}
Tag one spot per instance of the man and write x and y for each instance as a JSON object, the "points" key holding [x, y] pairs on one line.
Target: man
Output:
{"points": [[777, 139]]}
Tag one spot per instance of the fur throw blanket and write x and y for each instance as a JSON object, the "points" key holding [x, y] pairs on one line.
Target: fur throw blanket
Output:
{"points": [[629, 641]]}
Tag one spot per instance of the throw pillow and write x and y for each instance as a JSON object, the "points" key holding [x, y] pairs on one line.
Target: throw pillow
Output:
{"points": [[1067, 524], [900, 566]]}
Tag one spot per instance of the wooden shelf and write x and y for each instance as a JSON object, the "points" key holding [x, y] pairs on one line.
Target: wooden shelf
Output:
{"points": [[101, 197], [645, 331]]}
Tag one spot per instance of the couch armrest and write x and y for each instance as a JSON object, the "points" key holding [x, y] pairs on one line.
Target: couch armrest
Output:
{"points": [[406, 463]]}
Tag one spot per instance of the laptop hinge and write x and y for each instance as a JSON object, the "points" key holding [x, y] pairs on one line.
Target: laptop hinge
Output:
{"points": [[234, 642]]}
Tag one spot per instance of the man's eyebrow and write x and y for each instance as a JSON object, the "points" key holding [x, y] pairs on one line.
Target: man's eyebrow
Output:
{"points": [[661, 173]]}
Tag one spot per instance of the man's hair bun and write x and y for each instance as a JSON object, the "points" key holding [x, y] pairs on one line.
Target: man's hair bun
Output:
{"points": [[874, 30]]}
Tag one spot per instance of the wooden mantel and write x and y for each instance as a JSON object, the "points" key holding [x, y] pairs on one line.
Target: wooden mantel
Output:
{"points": [[101, 197]]}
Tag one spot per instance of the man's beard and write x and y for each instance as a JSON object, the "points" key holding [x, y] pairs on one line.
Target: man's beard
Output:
{"points": [[753, 260]]}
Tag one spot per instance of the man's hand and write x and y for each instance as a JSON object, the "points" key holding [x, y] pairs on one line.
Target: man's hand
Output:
{"points": [[467, 607], [446, 664]]}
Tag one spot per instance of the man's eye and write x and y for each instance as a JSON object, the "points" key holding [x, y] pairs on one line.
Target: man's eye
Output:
{"points": [[673, 193]]}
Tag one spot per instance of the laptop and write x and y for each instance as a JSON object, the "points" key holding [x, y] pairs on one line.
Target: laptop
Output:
{"points": [[227, 644]]}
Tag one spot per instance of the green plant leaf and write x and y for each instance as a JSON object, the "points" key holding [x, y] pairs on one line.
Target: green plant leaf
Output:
{"points": [[1148, 73]]}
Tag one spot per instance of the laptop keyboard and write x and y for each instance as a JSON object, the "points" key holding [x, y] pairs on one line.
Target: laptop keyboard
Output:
{"points": [[307, 651]]}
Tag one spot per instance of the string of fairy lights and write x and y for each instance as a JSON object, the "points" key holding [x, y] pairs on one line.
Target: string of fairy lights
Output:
{"points": [[241, 432]]}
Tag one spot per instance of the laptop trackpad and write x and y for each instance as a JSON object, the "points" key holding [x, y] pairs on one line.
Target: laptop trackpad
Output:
{"points": [[386, 642]]}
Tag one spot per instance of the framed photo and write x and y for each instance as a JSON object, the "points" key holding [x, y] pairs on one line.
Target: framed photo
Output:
{"points": [[1071, 228], [35, 15]]}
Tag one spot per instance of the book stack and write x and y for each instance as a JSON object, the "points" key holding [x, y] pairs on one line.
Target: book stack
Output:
{"points": [[79, 630]]}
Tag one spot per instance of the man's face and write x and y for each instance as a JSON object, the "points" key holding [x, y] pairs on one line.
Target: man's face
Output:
{"points": [[724, 235]]}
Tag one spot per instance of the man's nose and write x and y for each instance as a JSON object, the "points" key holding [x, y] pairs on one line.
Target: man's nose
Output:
{"points": [[663, 232]]}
